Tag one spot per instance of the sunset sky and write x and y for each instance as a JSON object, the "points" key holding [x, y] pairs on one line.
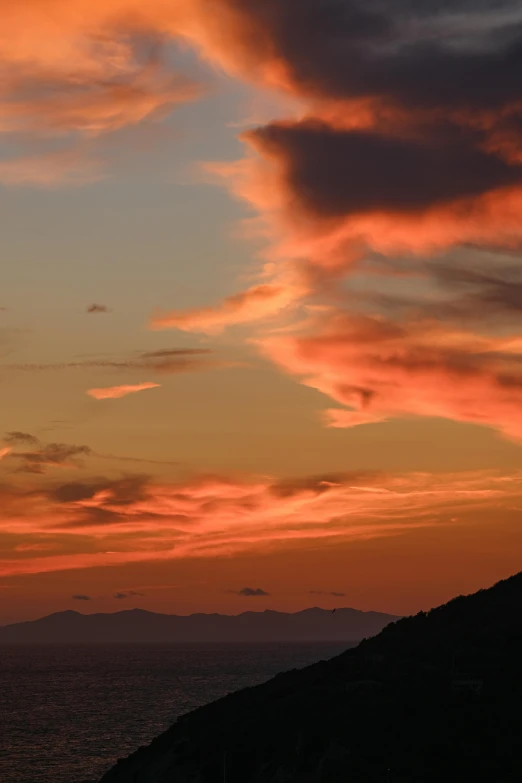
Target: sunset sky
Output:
{"points": [[260, 303]]}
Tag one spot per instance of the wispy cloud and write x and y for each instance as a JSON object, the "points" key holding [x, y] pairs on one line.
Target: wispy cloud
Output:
{"points": [[164, 361], [17, 437], [80, 597], [111, 522], [258, 302], [44, 456], [380, 368], [102, 73], [50, 170], [116, 392]]}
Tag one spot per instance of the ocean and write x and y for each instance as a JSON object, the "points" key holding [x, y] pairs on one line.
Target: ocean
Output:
{"points": [[67, 713]]}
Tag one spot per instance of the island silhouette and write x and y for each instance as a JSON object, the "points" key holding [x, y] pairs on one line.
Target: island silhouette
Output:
{"points": [[138, 626]]}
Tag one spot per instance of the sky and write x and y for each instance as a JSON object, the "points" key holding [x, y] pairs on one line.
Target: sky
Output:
{"points": [[260, 303]]}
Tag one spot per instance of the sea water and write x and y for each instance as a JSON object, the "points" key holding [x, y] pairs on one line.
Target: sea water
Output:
{"points": [[67, 713]]}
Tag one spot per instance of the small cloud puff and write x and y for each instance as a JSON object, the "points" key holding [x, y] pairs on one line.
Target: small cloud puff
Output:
{"points": [[97, 308], [250, 592]]}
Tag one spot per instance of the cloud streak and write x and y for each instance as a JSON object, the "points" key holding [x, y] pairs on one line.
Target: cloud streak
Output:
{"points": [[113, 522], [48, 170], [117, 392], [166, 361], [258, 302], [43, 456], [380, 369]]}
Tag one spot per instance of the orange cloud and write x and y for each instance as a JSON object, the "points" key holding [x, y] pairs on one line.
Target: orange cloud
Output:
{"points": [[91, 108], [322, 213], [397, 178], [50, 170], [405, 144], [76, 68], [401, 149], [311, 185], [84, 66], [110, 523], [115, 392], [381, 369], [93, 54], [258, 302]]}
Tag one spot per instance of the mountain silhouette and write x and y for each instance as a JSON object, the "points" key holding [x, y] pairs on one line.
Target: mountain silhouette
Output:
{"points": [[434, 697], [139, 626]]}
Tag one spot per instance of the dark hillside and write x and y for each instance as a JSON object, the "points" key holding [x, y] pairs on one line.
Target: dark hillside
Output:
{"points": [[435, 697]]}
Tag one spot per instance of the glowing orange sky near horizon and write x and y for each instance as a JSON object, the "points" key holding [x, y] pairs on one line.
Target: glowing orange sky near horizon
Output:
{"points": [[335, 384]]}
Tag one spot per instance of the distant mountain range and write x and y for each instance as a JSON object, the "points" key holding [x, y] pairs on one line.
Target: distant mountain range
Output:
{"points": [[139, 626]]}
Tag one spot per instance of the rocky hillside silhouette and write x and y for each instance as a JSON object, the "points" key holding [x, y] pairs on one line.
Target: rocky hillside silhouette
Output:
{"points": [[434, 697], [138, 626]]}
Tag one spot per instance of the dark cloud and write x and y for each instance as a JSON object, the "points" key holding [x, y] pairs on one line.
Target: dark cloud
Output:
{"points": [[482, 290], [16, 437], [321, 484], [95, 516], [112, 498], [250, 592], [417, 55], [73, 492], [496, 291], [335, 173], [48, 456], [81, 597], [119, 492], [176, 352], [41, 456], [168, 361], [141, 460], [314, 39], [97, 308], [173, 361], [128, 594], [323, 592]]}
